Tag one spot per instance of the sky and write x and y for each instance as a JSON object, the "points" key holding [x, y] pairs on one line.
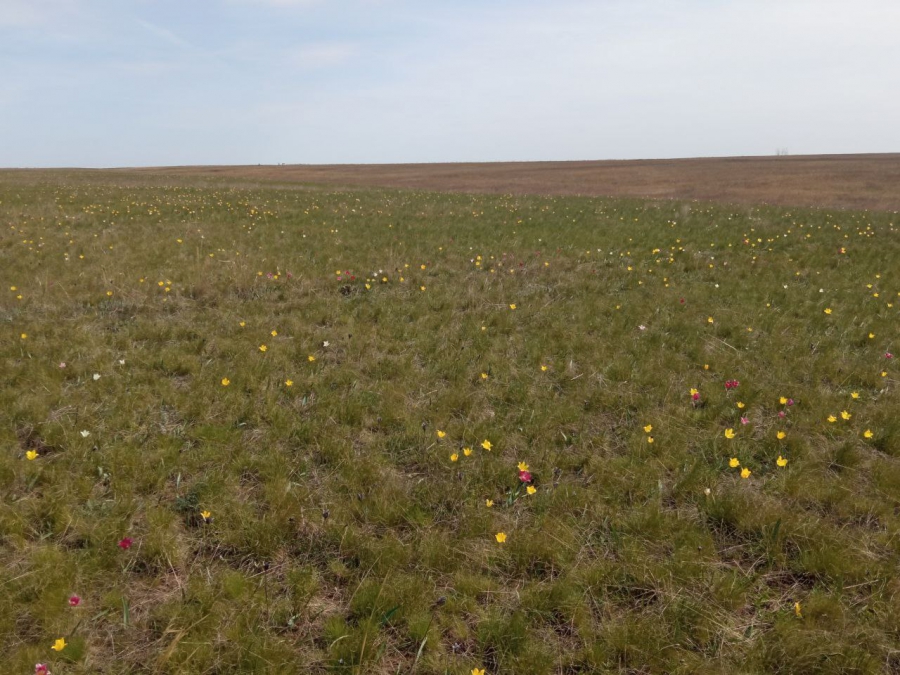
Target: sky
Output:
{"points": [[99, 83]]}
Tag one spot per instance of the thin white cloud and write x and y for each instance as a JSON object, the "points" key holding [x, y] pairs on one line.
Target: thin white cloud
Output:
{"points": [[321, 55], [167, 35], [616, 80], [33, 13], [15, 14], [279, 3]]}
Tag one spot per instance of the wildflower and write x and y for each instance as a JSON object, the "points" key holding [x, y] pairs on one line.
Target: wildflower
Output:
{"points": [[531, 489], [854, 395], [512, 306], [709, 319], [832, 419], [731, 384], [740, 405], [31, 454], [744, 420], [62, 364], [543, 369], [74, 600], [648, 428], [441, 434], [242, 324], [263, 348], [707, 492], [828, 310], [650, 440], [487, 445], [206, 515], [24, 336], [225, 381], [126, 543], [467, 452], [845, 415], [729, 433], [477, 671], [85, 433], [523, 466], [59, 644], [310, 358], [454, 457], [500, 537], [780, 435], [484, 376], [274, 333], [96, 376], [489, 503], [288, 383], [734, 463], [797, 609], [781, 461], [783, 400], [745, 472], [868, 433], [524, 476], [41, 669]]}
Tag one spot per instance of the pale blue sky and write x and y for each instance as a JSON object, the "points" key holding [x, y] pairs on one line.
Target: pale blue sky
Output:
{"points": [[149, 82]]}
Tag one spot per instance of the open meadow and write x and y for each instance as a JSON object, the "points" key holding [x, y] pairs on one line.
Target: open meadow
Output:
{"points": [[832, 181], [252, 428]]}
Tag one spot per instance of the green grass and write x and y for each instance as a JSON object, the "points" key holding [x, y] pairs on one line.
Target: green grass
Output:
{"points": [[342, 538]]}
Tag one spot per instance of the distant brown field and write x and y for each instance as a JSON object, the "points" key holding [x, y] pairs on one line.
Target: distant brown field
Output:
{"points": [[831, 181]]}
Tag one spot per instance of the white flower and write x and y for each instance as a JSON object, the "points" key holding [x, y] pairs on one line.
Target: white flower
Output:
{"points": [[85, 433], [121, 362], [326, 343], [642, 327], [96, 376]]}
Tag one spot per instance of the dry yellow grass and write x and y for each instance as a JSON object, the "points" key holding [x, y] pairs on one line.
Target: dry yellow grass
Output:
{"points": [[830, 181]]}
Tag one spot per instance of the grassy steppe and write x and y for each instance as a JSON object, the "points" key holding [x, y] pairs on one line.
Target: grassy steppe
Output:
{"points": [[347, 528]]}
